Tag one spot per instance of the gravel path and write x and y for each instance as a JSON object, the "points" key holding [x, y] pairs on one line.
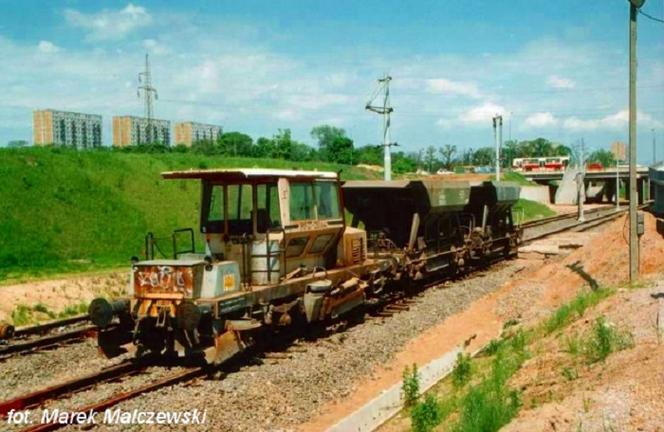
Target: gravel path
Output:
{"points": [[280, 394]]}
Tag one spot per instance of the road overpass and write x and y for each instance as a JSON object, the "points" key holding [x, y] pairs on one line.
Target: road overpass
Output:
{"points": [[606, 176]]}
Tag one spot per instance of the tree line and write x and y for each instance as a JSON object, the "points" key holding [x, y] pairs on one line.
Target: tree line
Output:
{"points": [[334, 145]]}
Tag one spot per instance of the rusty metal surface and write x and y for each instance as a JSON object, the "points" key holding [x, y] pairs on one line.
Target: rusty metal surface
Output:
{"points": [[47, 341], [177, 378], [39, 396], [45, 327], [166, 279]]}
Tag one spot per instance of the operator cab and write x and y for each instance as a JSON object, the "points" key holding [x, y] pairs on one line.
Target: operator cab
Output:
{"points": [[273, 223]]}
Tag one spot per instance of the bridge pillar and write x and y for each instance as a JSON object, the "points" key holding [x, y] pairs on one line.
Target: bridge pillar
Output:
{"points": [[639, 190]]}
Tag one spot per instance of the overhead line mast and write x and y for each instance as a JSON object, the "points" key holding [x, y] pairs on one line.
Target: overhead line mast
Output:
{"points": [[385, 110], [145, 78]]}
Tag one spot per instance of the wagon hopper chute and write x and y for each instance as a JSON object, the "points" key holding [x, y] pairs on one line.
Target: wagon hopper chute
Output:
{"points": [[493, 232]]}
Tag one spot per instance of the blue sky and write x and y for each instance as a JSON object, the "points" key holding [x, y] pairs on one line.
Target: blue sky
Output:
{"points": [[556, 69]]}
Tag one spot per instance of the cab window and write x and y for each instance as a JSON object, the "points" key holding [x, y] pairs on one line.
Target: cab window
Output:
{"points": [[327, 199], [267, 213], [316, 200], [301, 203]]}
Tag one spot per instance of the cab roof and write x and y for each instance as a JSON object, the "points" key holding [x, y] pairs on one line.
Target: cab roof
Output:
{"points": [[240, 174]]}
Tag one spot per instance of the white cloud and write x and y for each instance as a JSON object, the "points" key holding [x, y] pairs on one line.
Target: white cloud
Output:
{"points": [[540, 119], [461, 88], [616, 121], [154, 47], [560, 83], [110, 24], [47, 47], [482, 113]]}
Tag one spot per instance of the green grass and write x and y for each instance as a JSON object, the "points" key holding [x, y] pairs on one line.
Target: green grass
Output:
{"points": [[603, 339], [23, 315], [462, 370], [525, 210], [73, 211], [516, 177], [410, 386], [568, 312], [425, 416]]}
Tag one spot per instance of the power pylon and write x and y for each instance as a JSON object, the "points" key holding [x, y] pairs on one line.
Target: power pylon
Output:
{"points": [[145, 87], [385, 110]]}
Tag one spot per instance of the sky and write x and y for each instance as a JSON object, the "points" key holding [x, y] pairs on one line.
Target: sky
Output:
{"points": [[557, 70]]}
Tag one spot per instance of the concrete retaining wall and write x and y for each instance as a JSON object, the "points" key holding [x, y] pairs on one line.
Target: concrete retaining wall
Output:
{"points": [[536, 193], [390, 401]]}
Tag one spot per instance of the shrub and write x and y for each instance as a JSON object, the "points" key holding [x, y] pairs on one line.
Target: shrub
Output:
{"points": [[462, 370], [570, 373], [488, 406], [493, 347], [575, 309], [605, 339], [426, 415], [410, 386], [75, 309], [21, 315], [39, 307]]}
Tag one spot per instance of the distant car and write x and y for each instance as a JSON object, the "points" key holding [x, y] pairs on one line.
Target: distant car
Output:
{"points": [[443, 171]]}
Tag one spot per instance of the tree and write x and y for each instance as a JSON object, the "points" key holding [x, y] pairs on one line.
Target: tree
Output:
{"points": [[447, 152], [235, 144], [283, 144], [467, 157], [325, 136], [264, 148], [340, 150], [369, 154], [403, 163], [484, 156], [430, 158], [602, 156]]}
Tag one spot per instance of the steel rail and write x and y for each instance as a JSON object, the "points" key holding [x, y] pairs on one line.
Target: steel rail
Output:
{"points": [[581, 226], [50, 325], [48, 341], [71, 386], [105, 404]]}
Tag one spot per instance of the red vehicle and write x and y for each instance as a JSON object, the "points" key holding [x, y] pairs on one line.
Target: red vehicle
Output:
{"points": [[553, 163]]}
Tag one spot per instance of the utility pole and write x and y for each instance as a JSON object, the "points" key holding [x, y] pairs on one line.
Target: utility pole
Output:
{"points": [[384, 110], [634, 6], [498, 137], [654, 147], [581, 184], [145, 78]]}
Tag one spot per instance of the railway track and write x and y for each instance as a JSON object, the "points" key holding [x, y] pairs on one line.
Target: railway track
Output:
{"points": [[129, 368], [592, 220], [46, 336], [118, 373]]}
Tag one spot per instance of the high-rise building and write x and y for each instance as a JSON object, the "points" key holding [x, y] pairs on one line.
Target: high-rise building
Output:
{"points": [[66, 128], [131, 130], [188, 133]]}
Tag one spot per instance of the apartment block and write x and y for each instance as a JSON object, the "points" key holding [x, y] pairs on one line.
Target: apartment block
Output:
{"points": [[188, 133], [131, 130], [73, 129]]}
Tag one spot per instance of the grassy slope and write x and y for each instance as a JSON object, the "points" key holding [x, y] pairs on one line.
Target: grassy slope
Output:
{"points": [[526, 210], [516, 177], [62, 210]]}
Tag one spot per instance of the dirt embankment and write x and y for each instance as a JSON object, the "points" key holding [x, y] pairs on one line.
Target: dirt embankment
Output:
{"points": [[533, 293], [561, 391], [56, 295]]}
